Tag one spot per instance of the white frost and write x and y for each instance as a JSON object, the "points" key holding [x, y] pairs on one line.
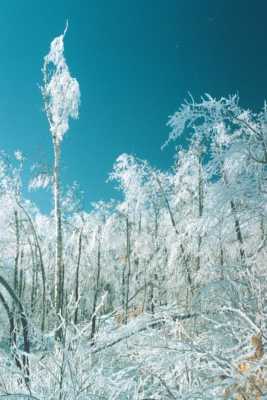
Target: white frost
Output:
{"points": [[61, 91]]}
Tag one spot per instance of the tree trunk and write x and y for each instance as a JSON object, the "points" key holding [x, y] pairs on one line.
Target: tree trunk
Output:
{"points": [[200, 208], [96, 287], [183, 253], [237, 224], [77, 278], [13, 323], [59, 273], [16, 270], [127, 281], [238, 232], [37, 243], [25, 328], [12, 330], [34, 280]]}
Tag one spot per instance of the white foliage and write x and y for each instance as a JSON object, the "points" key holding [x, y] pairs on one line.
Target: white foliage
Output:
{"points": [[60, 90], [18, 155], [39, 181]]}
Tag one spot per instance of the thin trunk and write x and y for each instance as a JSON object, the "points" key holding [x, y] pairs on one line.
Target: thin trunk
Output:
{"points": [[77, 275], [93, 330], [150, 300], [59, 278], [16, 272], [200, 209], [238, 232], [21, 277], [261, 216], [184, 256], [12, 331], [221, 260], [127, 281], [140, 224], [167, 205], [237, 224], [33, 283], [151, 306], [37, 243], [262, 229], [25, 328], [17, 252], [123, 291], [145, 294], [33, 291]]}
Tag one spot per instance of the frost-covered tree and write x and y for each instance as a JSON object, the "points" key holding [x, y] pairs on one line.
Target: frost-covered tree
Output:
{"points": [[61, 95]]}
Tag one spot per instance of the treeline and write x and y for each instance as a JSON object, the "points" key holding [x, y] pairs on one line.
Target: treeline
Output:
{"points": [[188, 244]]}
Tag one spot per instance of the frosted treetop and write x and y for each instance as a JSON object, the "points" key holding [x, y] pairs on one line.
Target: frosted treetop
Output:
{"points": [[60, 90]]}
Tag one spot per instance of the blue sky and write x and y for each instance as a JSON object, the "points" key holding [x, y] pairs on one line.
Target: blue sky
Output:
{"points": [[135, 62]]}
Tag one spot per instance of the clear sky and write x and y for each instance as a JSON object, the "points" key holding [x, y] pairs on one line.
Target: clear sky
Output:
{"points": [[135, 61]]}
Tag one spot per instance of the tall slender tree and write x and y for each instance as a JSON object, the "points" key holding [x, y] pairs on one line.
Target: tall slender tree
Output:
{"points": [[61, 96]]}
